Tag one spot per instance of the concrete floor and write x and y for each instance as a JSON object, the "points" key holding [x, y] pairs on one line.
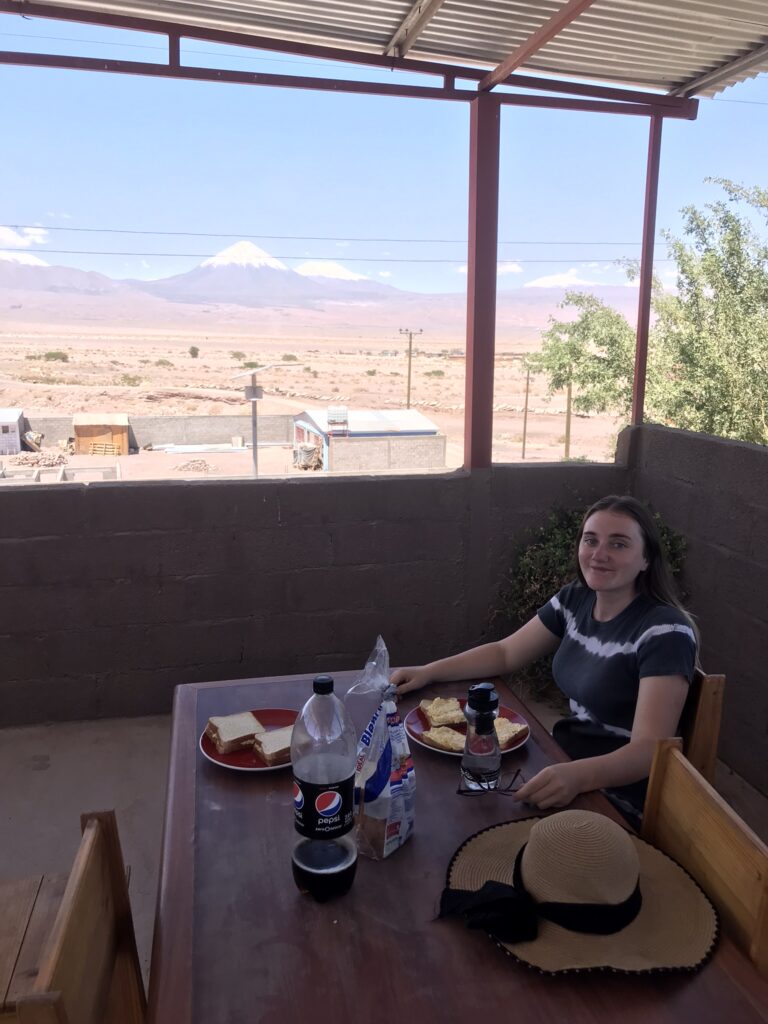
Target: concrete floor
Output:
{"points": [[52, 773]]}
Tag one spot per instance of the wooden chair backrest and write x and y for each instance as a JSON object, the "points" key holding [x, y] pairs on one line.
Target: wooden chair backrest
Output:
{"points": [[700, 722], [89, 968], [686, 818]]}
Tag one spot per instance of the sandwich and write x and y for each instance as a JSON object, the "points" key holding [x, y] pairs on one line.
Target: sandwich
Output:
{"points": [[442, 711], [507, 731], [444, 738], [233, 732], [274, 747]]}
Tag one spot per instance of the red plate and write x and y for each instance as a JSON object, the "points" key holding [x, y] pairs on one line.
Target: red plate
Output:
{"points": [[416, 724], [249, 760]]}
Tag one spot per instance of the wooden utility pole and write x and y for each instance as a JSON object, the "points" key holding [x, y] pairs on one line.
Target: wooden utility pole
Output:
{"points": [[405, 330], [568, 407]]}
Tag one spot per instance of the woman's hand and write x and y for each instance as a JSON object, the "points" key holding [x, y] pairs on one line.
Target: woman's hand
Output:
{"points": [[412, 678], [554, 786]]}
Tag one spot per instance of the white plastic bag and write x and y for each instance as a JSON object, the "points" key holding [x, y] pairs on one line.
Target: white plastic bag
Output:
{"points": [[385, 782]]}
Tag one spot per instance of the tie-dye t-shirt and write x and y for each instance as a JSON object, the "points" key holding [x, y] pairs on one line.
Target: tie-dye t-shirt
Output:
{"points": [[599, 665]]}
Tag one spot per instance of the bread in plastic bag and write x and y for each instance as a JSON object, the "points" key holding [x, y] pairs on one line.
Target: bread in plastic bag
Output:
{"points": [[385, 782]]}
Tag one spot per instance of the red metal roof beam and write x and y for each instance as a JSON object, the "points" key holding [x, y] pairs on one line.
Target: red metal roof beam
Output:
{"points": [[540, 38]]}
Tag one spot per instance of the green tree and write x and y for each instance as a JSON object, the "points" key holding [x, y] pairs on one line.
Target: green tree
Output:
{"points": [[708, 347], [594, 353], [711, 338]]}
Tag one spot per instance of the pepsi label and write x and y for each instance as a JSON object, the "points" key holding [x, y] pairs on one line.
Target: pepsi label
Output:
{"points": [[323, 811]]}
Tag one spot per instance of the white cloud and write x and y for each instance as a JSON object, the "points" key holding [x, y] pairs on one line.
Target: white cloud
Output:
{"points": [[563, 280], [24, 238], [23, 257], [342, 245], [385, 273], [327, 268]]}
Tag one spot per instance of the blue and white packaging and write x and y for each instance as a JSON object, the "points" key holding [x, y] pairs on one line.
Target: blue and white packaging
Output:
{"points": [[385, 782]]}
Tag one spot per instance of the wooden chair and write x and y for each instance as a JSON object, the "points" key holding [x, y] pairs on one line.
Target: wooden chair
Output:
{"points": [[700, 722], [89, 968], [686, 818]]}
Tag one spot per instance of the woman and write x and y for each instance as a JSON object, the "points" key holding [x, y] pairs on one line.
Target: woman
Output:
{"points": [[625, 654]]}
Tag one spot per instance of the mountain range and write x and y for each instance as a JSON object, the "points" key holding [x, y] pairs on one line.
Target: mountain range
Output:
{"points": [[244, 277]]}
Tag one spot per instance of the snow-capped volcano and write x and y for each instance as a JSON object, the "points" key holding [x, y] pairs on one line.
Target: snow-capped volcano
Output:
{"points": [[329, 269], [245, 275], [243, 254]]}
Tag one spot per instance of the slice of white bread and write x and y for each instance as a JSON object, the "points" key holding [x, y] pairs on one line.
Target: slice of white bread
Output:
{"points": [[233, 732], [442, 711], [274, 747], [507, 731], [444, 738]]}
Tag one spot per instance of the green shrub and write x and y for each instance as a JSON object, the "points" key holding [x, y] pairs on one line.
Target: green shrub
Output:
{"points": [[371, 373], [194, 351], [239, 356], [540, 567], [435, 373], [56, 357], [290, 358], [163, 362], [129, 380], [252, 366]]}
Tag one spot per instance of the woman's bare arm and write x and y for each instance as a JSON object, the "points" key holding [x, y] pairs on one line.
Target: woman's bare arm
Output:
{"points": [[659, 704], [531, 641]]}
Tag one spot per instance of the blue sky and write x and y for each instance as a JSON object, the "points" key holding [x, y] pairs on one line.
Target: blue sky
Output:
{"points": [[378, 185]]}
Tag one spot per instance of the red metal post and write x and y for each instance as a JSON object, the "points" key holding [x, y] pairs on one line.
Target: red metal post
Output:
{"points": [[646, 268], [481, 279]]}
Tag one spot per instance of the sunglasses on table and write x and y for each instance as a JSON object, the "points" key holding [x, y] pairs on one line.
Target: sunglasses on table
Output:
{"points": [[506, 786]]}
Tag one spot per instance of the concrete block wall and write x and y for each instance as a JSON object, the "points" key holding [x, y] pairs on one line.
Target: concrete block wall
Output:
{"points": [[113, 593], [369, 454], [178, 429], [715, 492]]}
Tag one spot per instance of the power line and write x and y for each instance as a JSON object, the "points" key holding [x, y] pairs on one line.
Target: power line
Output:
{"points": [[299, 238], [303, 256]]}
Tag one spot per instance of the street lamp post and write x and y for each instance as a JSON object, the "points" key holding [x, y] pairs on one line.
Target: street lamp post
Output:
{"points": [[405, 330], [252, 394]]}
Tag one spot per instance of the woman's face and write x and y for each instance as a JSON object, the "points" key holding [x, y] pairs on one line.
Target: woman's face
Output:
{"points": [[612, 552]]}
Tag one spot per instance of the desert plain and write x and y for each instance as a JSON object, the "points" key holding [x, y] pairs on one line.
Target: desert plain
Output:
{"points": [[48, 369]]}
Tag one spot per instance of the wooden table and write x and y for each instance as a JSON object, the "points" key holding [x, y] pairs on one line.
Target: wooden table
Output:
{"points": [[235, 942]]}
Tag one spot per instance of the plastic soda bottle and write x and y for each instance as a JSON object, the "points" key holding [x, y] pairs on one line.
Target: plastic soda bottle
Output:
{"points": [[323, 754]]}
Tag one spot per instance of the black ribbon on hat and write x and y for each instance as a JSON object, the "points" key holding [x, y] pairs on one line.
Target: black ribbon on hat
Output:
{"points": [[511, 914]]}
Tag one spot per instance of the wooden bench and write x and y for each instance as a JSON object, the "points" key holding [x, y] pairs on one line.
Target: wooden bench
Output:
{"points": [[29, 908], [67, 946]]}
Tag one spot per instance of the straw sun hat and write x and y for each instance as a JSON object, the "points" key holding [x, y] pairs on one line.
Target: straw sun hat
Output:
{"points": [[579, 893]]}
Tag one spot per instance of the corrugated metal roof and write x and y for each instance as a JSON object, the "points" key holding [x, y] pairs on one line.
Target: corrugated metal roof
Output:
{"points": [[374, 421], [656, 44]]}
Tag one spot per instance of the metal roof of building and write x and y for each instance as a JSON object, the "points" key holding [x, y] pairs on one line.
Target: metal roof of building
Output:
{"points": [[686, 47], [374, 421]]}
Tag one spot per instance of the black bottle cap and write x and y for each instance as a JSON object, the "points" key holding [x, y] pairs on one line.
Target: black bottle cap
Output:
{"points": [[483, 697], [322, 684]]}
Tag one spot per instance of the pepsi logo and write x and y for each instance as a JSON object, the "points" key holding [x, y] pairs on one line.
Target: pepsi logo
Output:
{"points": [[298, 797], [328, 803]]}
